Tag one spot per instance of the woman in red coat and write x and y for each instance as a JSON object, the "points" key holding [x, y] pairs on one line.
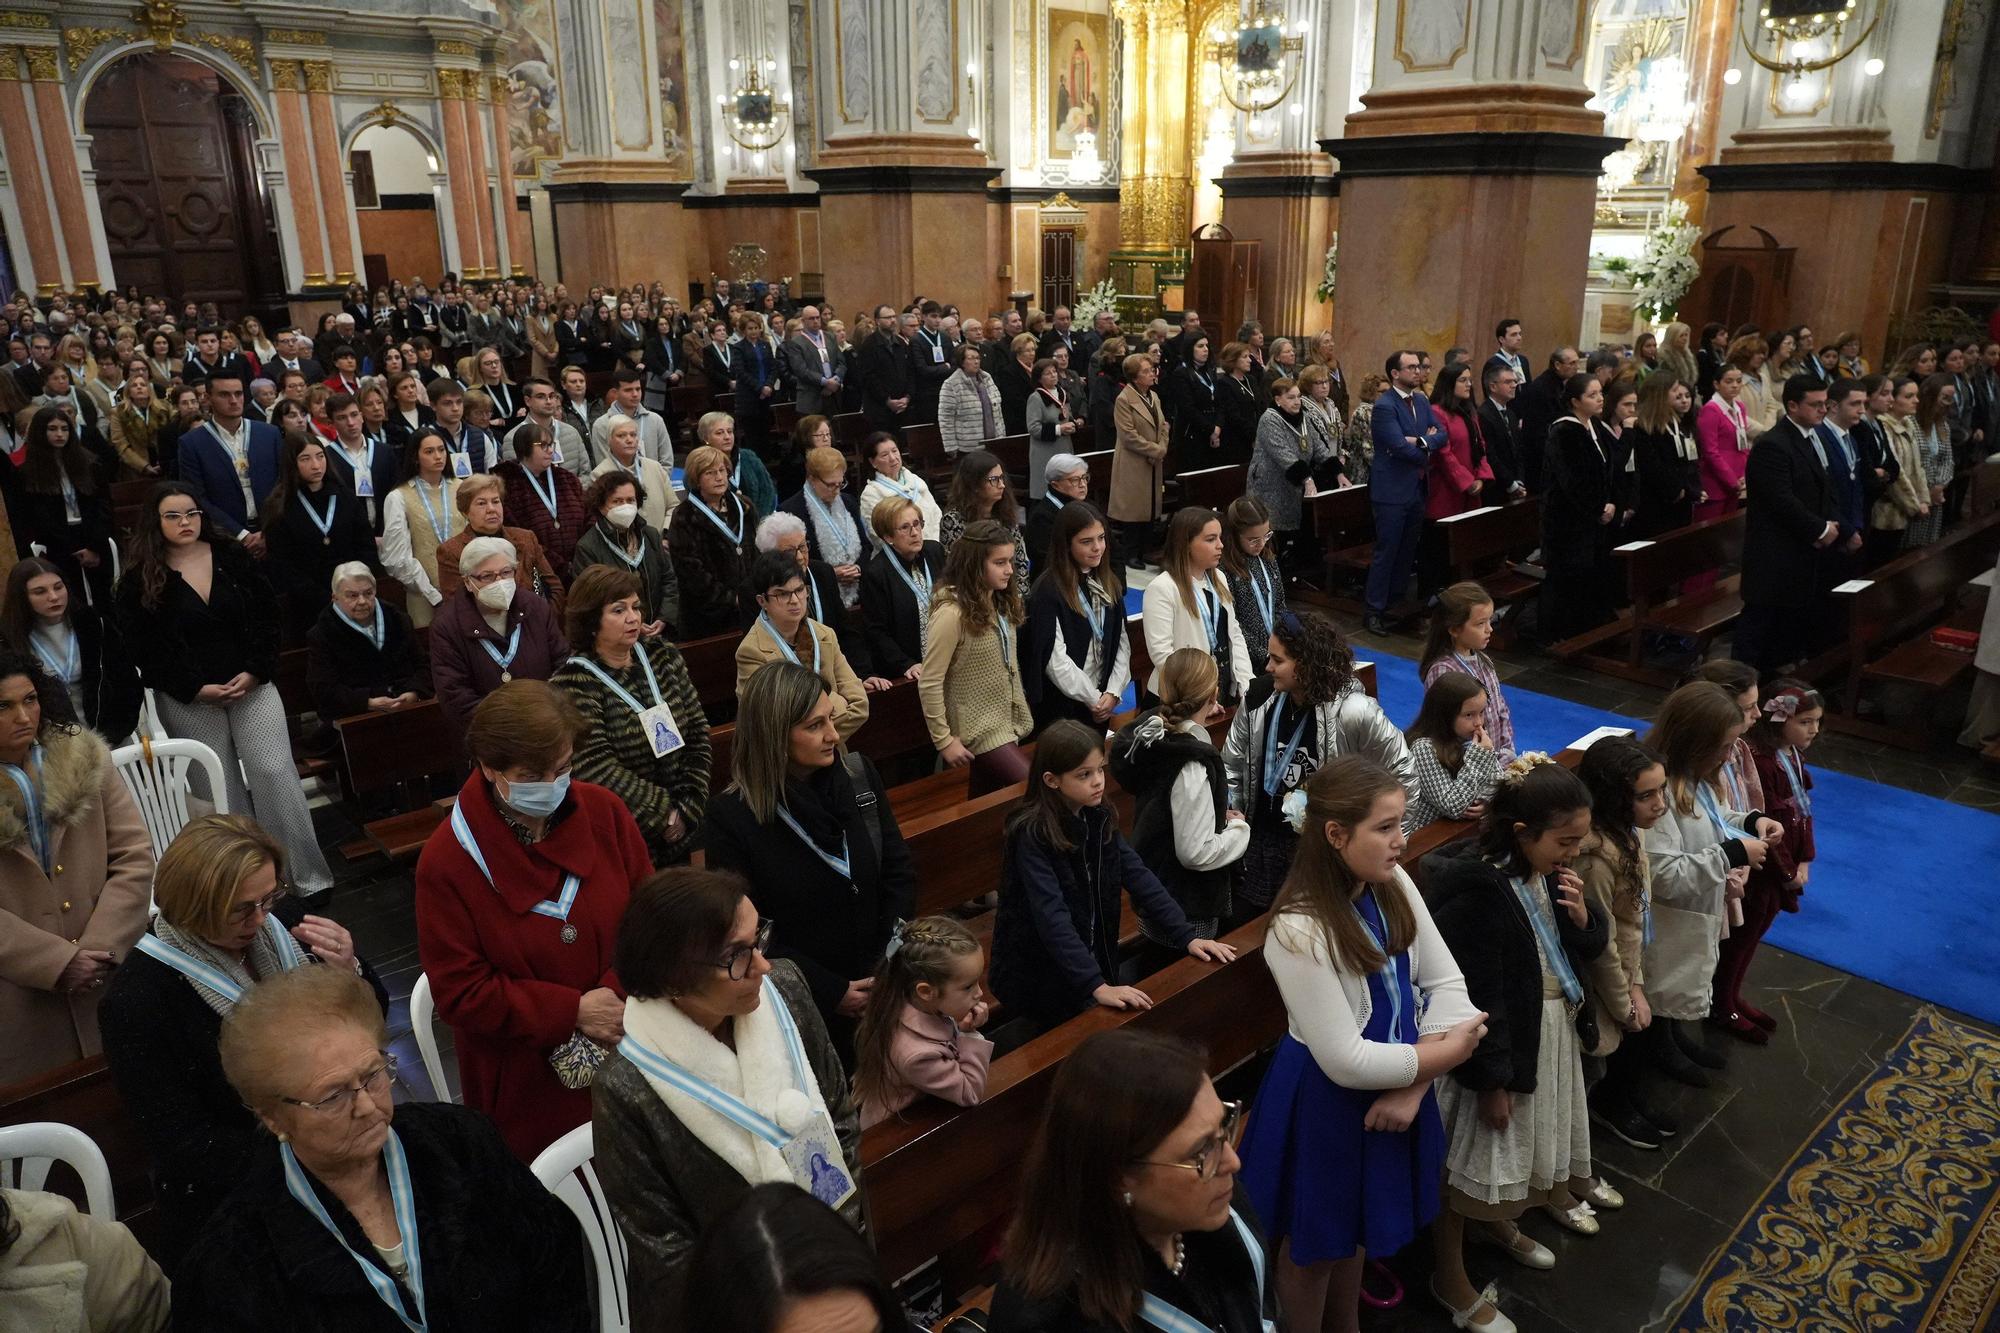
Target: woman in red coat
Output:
{"points": [[1459, 473], [519, 896]]}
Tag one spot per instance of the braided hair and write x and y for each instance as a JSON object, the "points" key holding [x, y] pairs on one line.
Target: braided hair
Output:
{"points": [[925, 950]]}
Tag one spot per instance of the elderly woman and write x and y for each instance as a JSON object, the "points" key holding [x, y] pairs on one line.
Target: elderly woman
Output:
{"points": [[813, 832], [541, 497], [748, 476], [362, 656], [226, 923], [712, 541], [622, 454], [622, 538], [646, 738], [786, 534], [201, 623], [491, 631], [75, 645], [1066, 480], [710, 1013], [833, 519], [969, 405], [896, 587], [418, 517], [518, 899], [785, 630], [1051, 422], [479, 498], [1129, 1198], [75, 871], [365, 1215], [888, 477]]}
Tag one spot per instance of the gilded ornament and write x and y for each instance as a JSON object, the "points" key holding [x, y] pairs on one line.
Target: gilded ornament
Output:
{"points": [[456, 49], [162, 20], [10, 64], [239, 49], [285, 76], [80, 43], [386, 113], [451, 84], [319, 75], [43, 64], [295, 37], [38, 22], [497, 86]]}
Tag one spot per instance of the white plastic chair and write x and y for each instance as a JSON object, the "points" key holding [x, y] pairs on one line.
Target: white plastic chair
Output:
{"points": [[423, 1016], [566, 1168], [156, 773], [149, 724], [27, 1152]]}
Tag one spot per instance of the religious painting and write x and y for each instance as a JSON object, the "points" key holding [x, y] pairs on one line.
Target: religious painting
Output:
{"points": [[1079, 80], [1258, 49], [672, 49], [534, 119]]}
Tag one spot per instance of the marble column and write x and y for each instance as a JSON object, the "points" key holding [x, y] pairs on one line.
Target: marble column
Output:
{"points": [[65, 177], [295, 144], [482, 175], [336, 205], [462, 169], [1470, 174], [1711, 46], [615, 199], [517, 245], [31, 230], [1864, 176]]}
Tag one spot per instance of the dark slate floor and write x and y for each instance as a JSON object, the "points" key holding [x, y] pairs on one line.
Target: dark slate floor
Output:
{"points": [[1682, 1202]]}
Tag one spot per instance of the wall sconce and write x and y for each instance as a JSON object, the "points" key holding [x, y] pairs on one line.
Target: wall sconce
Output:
{"points": [[1259, 63], [1813, 31]]}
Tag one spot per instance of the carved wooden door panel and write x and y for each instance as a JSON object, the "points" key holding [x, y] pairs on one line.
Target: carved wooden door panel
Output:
{"points": [[1058, 267], [168, 182]]}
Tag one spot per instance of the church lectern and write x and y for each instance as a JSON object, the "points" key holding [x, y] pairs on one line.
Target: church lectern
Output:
{"points": [[1222, 279]]}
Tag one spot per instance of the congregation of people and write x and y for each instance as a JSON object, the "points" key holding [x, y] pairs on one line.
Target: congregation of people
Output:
{"points": [[520, 509]]}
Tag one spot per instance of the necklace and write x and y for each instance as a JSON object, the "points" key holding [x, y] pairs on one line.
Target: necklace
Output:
{"points": [[1180, 1254]]}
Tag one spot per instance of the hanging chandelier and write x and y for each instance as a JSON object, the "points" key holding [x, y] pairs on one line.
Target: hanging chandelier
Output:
{"points": [[1812, 31], [1259, 63]]}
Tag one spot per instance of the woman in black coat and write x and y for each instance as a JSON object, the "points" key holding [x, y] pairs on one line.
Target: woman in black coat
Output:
{"points": [[1196, 411], [1579, 506], [77, 643], [1666, 455], [312, 525], [794, 808], [1237, 407], [896, 586], [62, 502], [712, 540], [361, 654]]}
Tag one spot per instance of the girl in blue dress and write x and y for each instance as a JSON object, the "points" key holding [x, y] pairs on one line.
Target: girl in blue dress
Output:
{"points": [[1345, 1151]]}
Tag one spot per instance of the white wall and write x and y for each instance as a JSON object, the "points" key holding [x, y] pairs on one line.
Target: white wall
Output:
{"points": [[400, 161]]}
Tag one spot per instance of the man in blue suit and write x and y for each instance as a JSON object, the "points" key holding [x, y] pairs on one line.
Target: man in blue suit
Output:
{"points": [[230, 463], [1406, 433], [1846, 404]]}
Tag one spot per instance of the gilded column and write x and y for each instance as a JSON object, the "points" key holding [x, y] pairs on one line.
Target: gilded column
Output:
{"points": [[65, 179], [296, 148], [514, 221], [458, 164], [24, 168], [1711, 44], [481, 181], [333, 197], [1132, 196]]}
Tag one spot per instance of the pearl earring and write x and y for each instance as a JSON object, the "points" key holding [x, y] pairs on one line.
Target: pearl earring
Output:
{"points": [[286, 1138], [1128, 1198]]}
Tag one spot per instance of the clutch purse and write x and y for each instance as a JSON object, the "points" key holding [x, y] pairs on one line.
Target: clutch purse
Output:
{"points": [[576, 1061]]}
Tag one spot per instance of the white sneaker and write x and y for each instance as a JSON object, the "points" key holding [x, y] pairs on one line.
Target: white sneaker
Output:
{"points": [[1488, 1299]]}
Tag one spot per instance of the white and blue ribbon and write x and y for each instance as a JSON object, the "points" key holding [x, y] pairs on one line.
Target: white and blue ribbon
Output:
{"points": [[441, 525], [513, 648], [842, 865], [1706, 795], [548, 499], [1264, 590], [197, 971], [1171, 1319], [556, 907], [402, 1198], [1545, 931], [70, 669], [1211, 616], [920, 585], [896, 485], [377, 636], [1391, 973], [30, 783], [625, 695], [1795, 769], [734, 534], [764, 619], [325, 525], [730, 1107], [1275, 764]]}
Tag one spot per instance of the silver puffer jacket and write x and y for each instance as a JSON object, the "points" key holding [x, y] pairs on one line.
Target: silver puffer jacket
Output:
{"points": [[1351, 723]]}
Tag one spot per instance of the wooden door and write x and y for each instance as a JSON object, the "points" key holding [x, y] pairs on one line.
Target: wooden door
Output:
{"points": [[180, 209], [1058, 267]]}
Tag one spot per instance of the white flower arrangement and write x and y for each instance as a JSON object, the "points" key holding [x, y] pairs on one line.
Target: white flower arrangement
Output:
{"points": [[1328, 269], [1666, 266], [1093, 299], [1293, 808]]}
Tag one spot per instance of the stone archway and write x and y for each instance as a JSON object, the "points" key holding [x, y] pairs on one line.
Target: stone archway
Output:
{"points": [[172, 145]]}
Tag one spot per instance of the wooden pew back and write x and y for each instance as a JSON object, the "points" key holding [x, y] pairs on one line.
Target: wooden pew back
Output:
{"points": [[711, 666], [1656, 565], [1213, 487]]}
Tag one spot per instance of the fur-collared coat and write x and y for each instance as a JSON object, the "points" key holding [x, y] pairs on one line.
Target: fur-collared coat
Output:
{"points": [[95, 896]]}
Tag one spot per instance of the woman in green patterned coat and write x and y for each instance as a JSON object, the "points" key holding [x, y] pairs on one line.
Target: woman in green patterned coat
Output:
{"points": [[647, 740]]}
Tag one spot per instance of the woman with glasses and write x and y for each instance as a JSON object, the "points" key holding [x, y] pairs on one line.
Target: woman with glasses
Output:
{"points": [[979, 490], [226, 923], [813, 832], [725, 1079], [480, 500], [1131, 1213], [889, 479], [786, 631], [490, 632], [1067, 480], [518, 898], [896, 588], [201, 623], [74, 886], [369, 1215]]}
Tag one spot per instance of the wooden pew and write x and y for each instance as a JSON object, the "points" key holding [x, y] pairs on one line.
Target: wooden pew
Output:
{"points": [[1341, 524], [406, 748], [128, 499], [850, 429], [1654, 569], [1012, 451], [1482, 545], [1982, 493], [1100, 477], [711, 666], [1213, 487], [923, 449], [83, 1095], [895, 735], [1888, 616], [686, 403]]}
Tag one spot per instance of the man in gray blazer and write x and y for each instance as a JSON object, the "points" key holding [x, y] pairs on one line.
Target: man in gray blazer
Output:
{"points": [[816, 365]]}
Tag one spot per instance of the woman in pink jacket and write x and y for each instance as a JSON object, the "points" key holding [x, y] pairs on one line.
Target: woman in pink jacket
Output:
{"points": [[1723, 432], [1460, 470]]}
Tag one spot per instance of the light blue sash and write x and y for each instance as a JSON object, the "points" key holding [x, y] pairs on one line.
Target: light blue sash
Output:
{"points": [[556, 907], [403, 1199], [195, 970], [731, 1108], [1173, 1320]]}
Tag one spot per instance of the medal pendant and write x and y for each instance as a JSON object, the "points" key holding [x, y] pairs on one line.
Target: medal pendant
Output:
{"points": [[568, 933], [326, 541], [506, 678]]}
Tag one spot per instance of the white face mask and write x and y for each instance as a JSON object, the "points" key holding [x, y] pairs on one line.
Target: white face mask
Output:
{"points": [[497, 595], [621, 516]]}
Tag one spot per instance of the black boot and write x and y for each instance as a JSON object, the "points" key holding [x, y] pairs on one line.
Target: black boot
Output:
{"points": [[1672, 1060], [1688, 1036]]}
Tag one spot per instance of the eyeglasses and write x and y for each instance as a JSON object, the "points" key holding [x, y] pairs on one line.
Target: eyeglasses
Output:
{"points": [[481, 580], [785, 595], [997, 479], [1207, 1159], [244, 911], [736, 962], [910, 528], [180, 516], [375, 1083]]}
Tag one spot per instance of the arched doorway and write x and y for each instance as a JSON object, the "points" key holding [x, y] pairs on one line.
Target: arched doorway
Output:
{"points": [[183, 204], [396, 180]]}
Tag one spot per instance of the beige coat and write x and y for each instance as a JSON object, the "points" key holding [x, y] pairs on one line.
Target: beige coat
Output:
{"points": [[1139, 467], [69, 1272], [98, 899], [1623, 886], [850, 698]]}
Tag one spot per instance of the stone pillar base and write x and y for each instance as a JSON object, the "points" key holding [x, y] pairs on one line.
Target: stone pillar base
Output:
{"points": [[1289, 201], [609, 230], [1442, 235], [890, 230]]}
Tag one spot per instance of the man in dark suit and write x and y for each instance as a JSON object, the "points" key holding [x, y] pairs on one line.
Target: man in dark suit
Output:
{"points": [[230, 463], [206, 361], [1540, 403], [815, 364], [1059, 334], [888, 388], [1846, 405], [931, 361], [295, 353], [1793, 520], [1406, 433], [1507, 336], [1500, 429]]}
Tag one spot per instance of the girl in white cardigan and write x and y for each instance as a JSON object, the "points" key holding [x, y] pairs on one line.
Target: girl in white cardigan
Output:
{"points": [[1701, 854], [1189, 605], [1345, 1148]]}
